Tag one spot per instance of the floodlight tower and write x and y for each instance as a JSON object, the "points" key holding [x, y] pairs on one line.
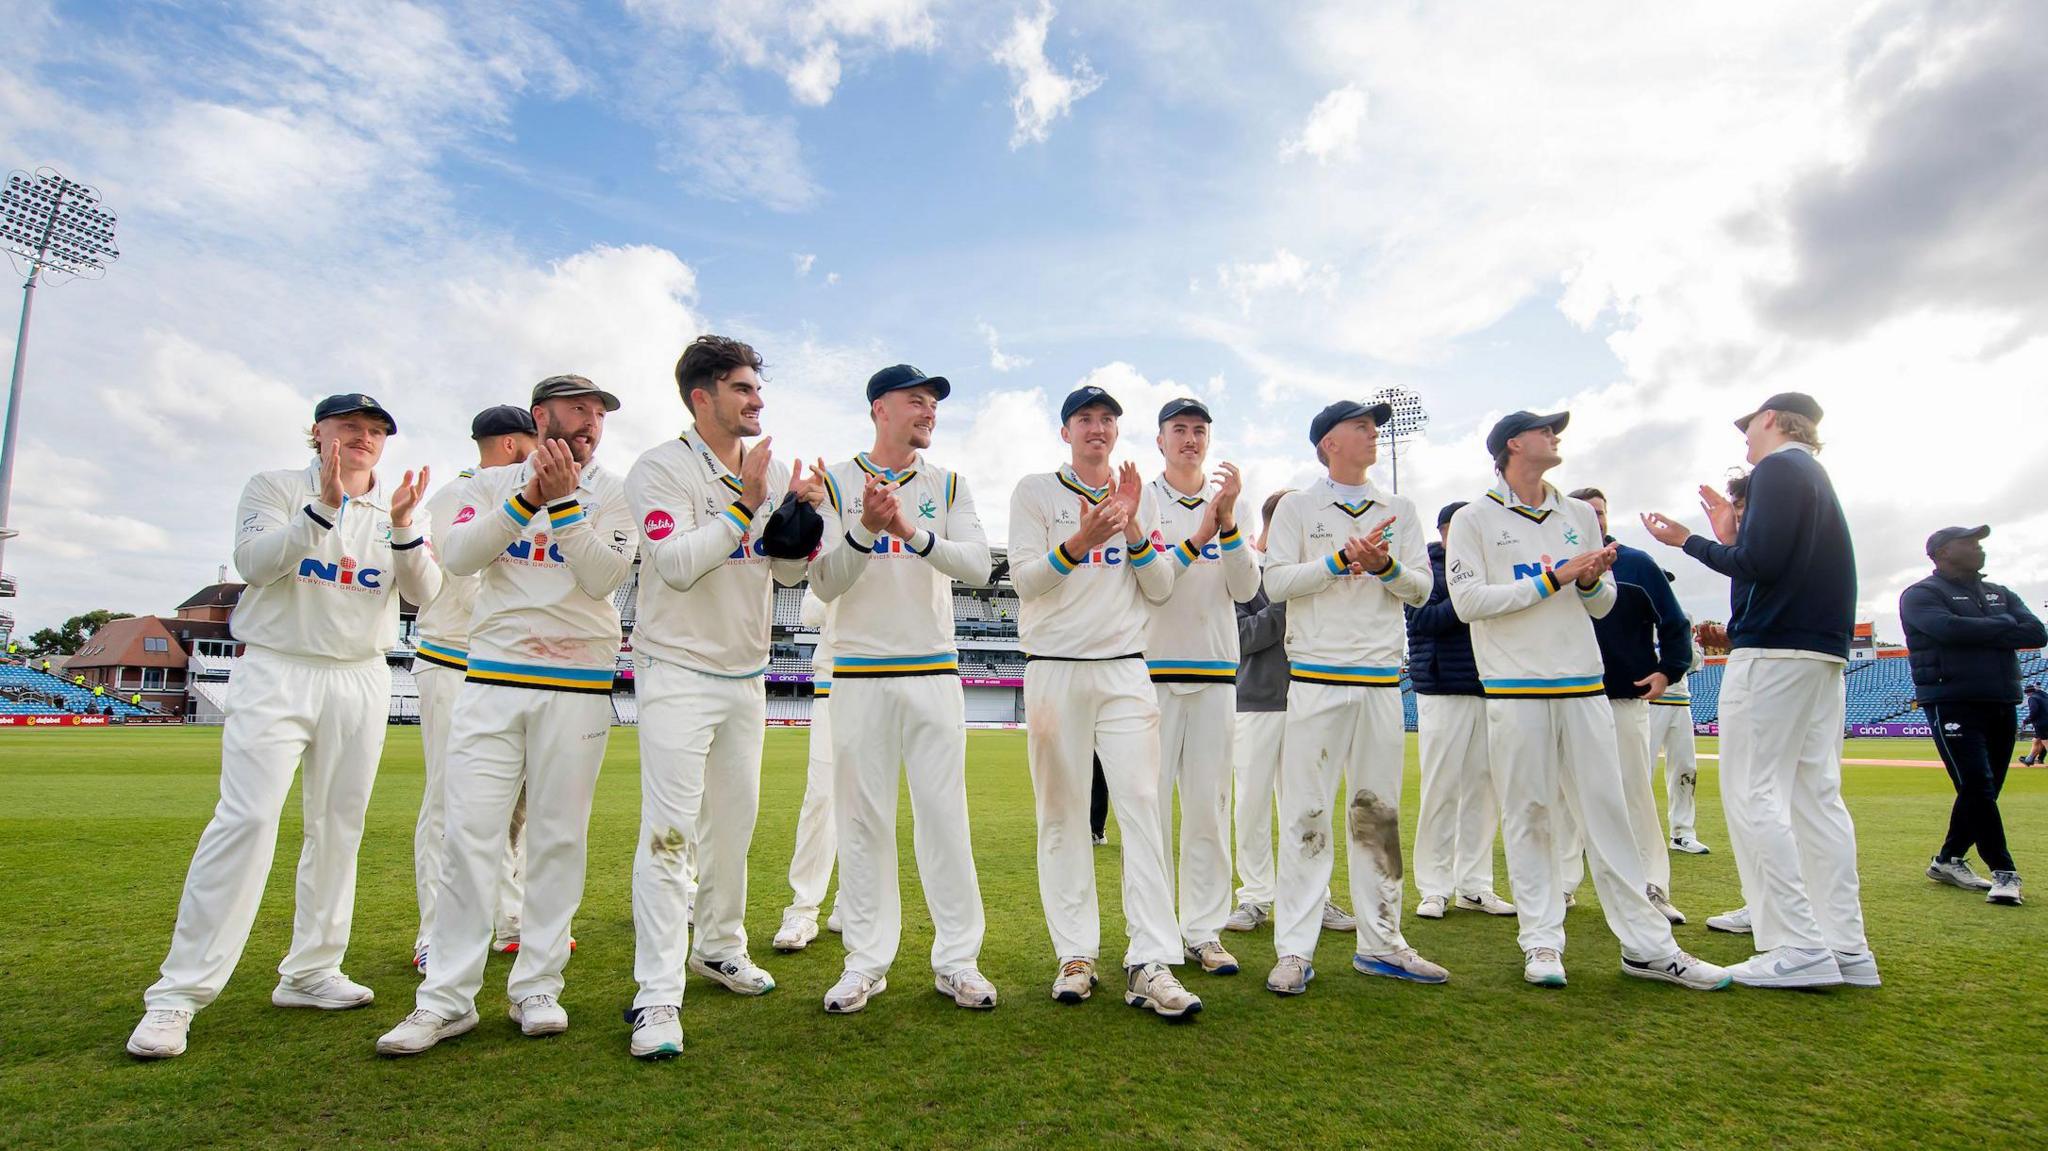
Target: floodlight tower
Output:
{"points": [[58, 226], [1409, 419]]}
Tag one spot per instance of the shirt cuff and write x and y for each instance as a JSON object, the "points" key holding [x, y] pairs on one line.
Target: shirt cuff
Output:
{"points": [[561, 515], [519, 511], [858, 534], [738, 516], [407, 537], [921, 541], [1062, 562], [322, 514], [1231, 540]]}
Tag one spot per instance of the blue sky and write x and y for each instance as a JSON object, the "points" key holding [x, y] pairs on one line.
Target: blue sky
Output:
{"points": [[1655, 218]]}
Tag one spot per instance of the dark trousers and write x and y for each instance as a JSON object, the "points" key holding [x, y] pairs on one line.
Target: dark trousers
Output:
{"points": [[1098, 801], [1975, 741]]}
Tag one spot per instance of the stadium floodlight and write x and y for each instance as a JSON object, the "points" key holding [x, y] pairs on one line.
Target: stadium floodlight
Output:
{"points": [[1409, 419], [59, 227]]}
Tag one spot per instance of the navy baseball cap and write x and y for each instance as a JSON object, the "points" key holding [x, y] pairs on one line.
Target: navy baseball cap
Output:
{"points": [[349, 402], [1515, 423], [1343, 410], [1183, 406], [503, 420], [1443, 515], [1088, 396], [904, 376], [563, 387], [1947, 536], [1798, 403]]}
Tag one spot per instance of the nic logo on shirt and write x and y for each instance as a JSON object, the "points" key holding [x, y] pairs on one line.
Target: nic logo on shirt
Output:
{"points": [[748, 551], [1532, 571], [342, 573], [536, 552]]}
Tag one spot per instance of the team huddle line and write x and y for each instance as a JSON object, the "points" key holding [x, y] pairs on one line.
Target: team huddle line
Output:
{"points": [[1188, 657]]}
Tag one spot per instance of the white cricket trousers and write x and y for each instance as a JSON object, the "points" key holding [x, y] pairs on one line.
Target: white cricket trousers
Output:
{"points": [[700, 786], [817, 833], [1555, 759], [1074, 710], [499, 740], [1454, 829], [914, 726], [438, 687], [1781, 786], [1671, 732], [1255, 777], [282, 714], [1347, 739], [1197, 725], [1638, 755]]}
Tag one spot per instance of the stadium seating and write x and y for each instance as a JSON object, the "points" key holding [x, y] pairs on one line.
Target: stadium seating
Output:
{"points": [[17, 681]]}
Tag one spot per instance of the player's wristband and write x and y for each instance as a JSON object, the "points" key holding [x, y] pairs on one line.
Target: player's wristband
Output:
{"points": [[1061, 560]]}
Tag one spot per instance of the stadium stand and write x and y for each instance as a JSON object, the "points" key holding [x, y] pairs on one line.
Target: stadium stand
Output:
{"points": [[28, 691]]}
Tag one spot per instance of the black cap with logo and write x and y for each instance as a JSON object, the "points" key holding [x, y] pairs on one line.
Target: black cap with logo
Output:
{"points": [[1798, 403], [1515, 423], [904, 376], [1343, 410], [1088, 396], [503, 420], [1185, 405], [350, 402]]}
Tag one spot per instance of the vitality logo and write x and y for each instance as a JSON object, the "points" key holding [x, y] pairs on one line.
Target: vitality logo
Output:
{"points": [[342, 573]]}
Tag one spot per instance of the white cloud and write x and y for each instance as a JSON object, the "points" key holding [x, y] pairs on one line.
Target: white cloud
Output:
{"points": [[831, 278], [801, 40], [999, 360], [803, 262], [1332, 128], [1285, 273], [1044, 93]]}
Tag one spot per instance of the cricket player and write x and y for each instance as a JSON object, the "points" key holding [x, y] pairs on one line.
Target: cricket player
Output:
{"points": [[1191, 652], [326, 551], [1085, 566], [1345, 557], [706, 599], [817, 840], [1671, 732], [1792, 568], [504, 435], [1550, 731], [1645, 644], [1454, 825], [551, 539], [1259, 735], [899, 530]]}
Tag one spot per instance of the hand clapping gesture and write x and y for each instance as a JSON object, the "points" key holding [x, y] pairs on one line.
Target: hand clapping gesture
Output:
{"points": [[407, 497], [555, 473], [1368, 553]]}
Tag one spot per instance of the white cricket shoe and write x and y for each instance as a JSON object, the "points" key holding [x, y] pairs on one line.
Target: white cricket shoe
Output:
{"points": [[1212, 958], [1290, 976], [1405, 964], [968, 988], [1859, 968], [1543, 966], [1689, 845], [1485, 901], [505, 944], [852, 993], [1662, 903], [1336, 918], [539, 1015], [1154, 986], [832, 923], [1736, 922], [1789, 967], [335, 993], [1432, 907], [2005, 889], [1679, 968], [796, 932], [1571, 900], [657, 1032], [160, 1035], [1247, 917], [1956, 873], [1075, 980], [737, 975], [421, 1030], [419, 960]]}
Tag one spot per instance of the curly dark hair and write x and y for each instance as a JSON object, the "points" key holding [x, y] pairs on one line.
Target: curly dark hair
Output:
{"points": [[708, 361]]}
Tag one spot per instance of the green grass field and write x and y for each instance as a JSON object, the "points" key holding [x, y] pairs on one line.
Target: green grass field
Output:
{"points": [[97, 828]]}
